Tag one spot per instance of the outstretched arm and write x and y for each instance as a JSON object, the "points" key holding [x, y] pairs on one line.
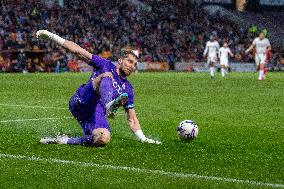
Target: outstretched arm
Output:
{"points": [[76, 49], [134, 125], [71, 46], [250, 48], [231, 54]]}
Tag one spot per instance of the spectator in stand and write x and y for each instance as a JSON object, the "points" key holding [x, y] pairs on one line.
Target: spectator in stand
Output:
{"points": [[22, 61], [2, 62], [171, 60], [30, 65], [73, 65], [106, 54], [161, 28]]}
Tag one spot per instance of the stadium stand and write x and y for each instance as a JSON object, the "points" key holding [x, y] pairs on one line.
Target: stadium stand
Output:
{"points": [[163, 31]]}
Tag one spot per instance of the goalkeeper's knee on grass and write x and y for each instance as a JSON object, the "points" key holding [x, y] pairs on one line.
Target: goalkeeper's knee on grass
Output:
{"points": [[99, 138]]}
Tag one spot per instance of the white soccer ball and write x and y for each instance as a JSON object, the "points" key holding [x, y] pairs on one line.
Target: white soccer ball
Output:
{"points": [[187, 130]]}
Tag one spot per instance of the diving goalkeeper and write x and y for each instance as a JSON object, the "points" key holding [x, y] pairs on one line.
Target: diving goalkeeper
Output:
{"points": [[99, 98]]}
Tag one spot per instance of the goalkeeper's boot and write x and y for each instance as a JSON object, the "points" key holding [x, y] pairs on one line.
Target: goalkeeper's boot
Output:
{"points": [[62, 139], [48, 140], [112, 106]]}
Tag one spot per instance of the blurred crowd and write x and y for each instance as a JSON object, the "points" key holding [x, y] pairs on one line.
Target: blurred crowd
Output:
{"points": [[164, 31]]}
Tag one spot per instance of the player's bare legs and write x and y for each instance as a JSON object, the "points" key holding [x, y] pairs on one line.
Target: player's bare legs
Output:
{"points": [[257, 68], [223, 70], [264, 72], [261, 72], [212, 69]]}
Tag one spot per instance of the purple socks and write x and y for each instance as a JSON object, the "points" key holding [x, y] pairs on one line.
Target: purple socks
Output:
{"points": [[86, 140]]}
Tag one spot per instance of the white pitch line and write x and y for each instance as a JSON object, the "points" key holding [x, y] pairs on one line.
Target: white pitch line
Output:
{"points": [[141, 170], [34, 119], [28, 106]]}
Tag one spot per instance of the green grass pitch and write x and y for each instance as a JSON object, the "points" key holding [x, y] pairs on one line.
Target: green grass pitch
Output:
{"points": [[240, 142]]}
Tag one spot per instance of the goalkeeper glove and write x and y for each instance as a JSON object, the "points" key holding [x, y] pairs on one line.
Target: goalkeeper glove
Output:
{"points": [[44, 34], [141, 137]]}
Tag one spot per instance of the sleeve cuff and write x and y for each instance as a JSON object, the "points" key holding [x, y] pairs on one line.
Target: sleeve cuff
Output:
{"points": [[131, 106]]}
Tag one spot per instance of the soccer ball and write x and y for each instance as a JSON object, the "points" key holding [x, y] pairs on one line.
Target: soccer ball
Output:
{"points": [[187, 130]]}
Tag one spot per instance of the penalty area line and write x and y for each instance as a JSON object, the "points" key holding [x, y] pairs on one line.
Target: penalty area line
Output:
{"points": [[29, 106], [142, 170], [34, 119]]}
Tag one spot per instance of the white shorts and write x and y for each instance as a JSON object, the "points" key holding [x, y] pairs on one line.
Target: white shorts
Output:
{"points": [[260, 59], [211, 60], [224, 62]]}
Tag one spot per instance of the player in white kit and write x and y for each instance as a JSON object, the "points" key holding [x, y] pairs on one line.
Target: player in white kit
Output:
{"points": [[224, 53], [261, 44], [211, 49]]}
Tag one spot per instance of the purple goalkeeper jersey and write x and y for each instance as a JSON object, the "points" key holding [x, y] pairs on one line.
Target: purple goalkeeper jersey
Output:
{"points": [[87, 106], [120, 85]]}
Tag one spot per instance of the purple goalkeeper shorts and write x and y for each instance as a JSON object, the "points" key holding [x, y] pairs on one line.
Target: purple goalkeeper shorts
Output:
{"points": [[87, 108]]}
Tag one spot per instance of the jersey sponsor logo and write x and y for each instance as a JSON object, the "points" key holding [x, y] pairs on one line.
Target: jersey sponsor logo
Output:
{"points": [[117, 87]]}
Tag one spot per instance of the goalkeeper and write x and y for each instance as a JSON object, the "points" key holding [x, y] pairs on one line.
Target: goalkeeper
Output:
{"points": [[99, 98]]}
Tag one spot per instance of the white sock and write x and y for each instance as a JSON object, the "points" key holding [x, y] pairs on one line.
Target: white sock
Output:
{"points": [[261, 74], [212, 70], [223, 72], [140, 135]]}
